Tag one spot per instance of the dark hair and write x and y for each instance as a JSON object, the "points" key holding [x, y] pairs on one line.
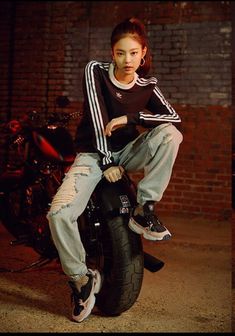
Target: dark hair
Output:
{"points": [[134, 27]]}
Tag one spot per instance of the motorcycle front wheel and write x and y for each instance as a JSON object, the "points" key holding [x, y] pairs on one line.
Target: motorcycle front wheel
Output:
{"points": [[120, 261]]}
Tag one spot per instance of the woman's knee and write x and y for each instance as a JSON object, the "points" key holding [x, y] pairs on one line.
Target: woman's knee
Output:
{"points": [[56, 215], [170, 134], [176, 134]]}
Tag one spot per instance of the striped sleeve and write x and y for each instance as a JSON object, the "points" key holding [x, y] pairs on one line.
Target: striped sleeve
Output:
{"points": [[98, 112], [160, 110]]}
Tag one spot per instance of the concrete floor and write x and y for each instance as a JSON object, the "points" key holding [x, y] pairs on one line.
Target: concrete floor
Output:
{"points": [[191, 293]]}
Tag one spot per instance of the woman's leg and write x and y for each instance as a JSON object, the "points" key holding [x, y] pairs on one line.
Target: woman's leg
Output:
{"points": [[154, 152], [67, 205]]}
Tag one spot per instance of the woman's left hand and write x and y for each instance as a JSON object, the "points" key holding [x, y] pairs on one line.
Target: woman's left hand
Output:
{"points": [[115, 124], [114, 173]]}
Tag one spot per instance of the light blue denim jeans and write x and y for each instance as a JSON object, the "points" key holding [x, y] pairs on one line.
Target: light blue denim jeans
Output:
{"points": [[153, 152]]}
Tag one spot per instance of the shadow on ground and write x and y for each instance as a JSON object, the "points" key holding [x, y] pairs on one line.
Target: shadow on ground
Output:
{"points": [[191, 293]]}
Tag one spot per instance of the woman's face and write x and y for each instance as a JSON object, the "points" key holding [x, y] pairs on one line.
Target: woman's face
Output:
{"points": [[127, 54]]}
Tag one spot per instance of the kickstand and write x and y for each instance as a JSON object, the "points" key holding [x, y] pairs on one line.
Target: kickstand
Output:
{"points": [[38, 263], [151, 263]]}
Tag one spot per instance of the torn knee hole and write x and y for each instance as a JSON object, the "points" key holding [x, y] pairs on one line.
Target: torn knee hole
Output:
{"points": [[83, 170]]}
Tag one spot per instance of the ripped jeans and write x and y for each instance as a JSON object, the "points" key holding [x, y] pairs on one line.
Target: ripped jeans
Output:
{"points": [[152, 151]]}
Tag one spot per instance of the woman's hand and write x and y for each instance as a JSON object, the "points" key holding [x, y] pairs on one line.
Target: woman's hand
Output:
{"points": [[114, 173], [115, 124]]}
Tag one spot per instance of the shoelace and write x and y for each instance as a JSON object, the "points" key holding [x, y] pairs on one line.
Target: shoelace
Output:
{"points": [[150, 220]]}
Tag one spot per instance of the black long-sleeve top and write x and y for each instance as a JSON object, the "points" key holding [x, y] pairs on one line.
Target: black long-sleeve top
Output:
{"points": [[105, 98]]}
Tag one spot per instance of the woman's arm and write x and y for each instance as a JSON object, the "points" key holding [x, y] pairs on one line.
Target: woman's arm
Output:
{"points": [[95, 103], [158, 110]]}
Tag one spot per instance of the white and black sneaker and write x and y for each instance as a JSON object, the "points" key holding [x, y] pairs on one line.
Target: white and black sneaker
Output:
{"points": [[83, 300], [146, 222]]}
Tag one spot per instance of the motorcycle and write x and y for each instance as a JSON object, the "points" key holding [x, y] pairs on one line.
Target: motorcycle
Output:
{"points": [[45, 151]]}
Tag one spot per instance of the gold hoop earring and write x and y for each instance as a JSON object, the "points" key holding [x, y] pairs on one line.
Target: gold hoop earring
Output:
{"points": [[142, 62]]}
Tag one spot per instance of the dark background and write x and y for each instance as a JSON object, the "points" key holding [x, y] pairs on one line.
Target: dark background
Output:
{"points": [[44, 46]]}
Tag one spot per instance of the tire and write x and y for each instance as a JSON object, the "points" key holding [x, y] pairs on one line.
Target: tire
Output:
{"points": [[121, 265]]}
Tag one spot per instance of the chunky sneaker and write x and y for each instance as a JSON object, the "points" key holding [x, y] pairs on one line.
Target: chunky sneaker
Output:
{"points": [[83, 300], [147, 223]]}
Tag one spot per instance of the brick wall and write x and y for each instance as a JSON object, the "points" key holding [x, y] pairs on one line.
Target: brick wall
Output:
{"points": [[45, 46]]}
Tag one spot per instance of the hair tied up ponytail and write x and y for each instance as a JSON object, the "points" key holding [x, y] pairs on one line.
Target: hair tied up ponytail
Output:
{"points": [[138, 23]]}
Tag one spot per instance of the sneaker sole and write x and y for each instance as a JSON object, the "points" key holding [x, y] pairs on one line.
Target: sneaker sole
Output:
{"points": [[97, 281], [149, 236], [91, 300]]}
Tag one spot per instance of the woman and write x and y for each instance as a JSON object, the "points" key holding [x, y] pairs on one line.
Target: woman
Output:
{"points": [[117, 97]]}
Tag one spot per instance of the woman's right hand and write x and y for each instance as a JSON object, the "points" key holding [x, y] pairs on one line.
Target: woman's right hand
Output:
{"points": [[115, 124]]}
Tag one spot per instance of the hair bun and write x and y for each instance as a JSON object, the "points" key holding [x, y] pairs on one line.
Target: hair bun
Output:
{"points": [[137, 22]]}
